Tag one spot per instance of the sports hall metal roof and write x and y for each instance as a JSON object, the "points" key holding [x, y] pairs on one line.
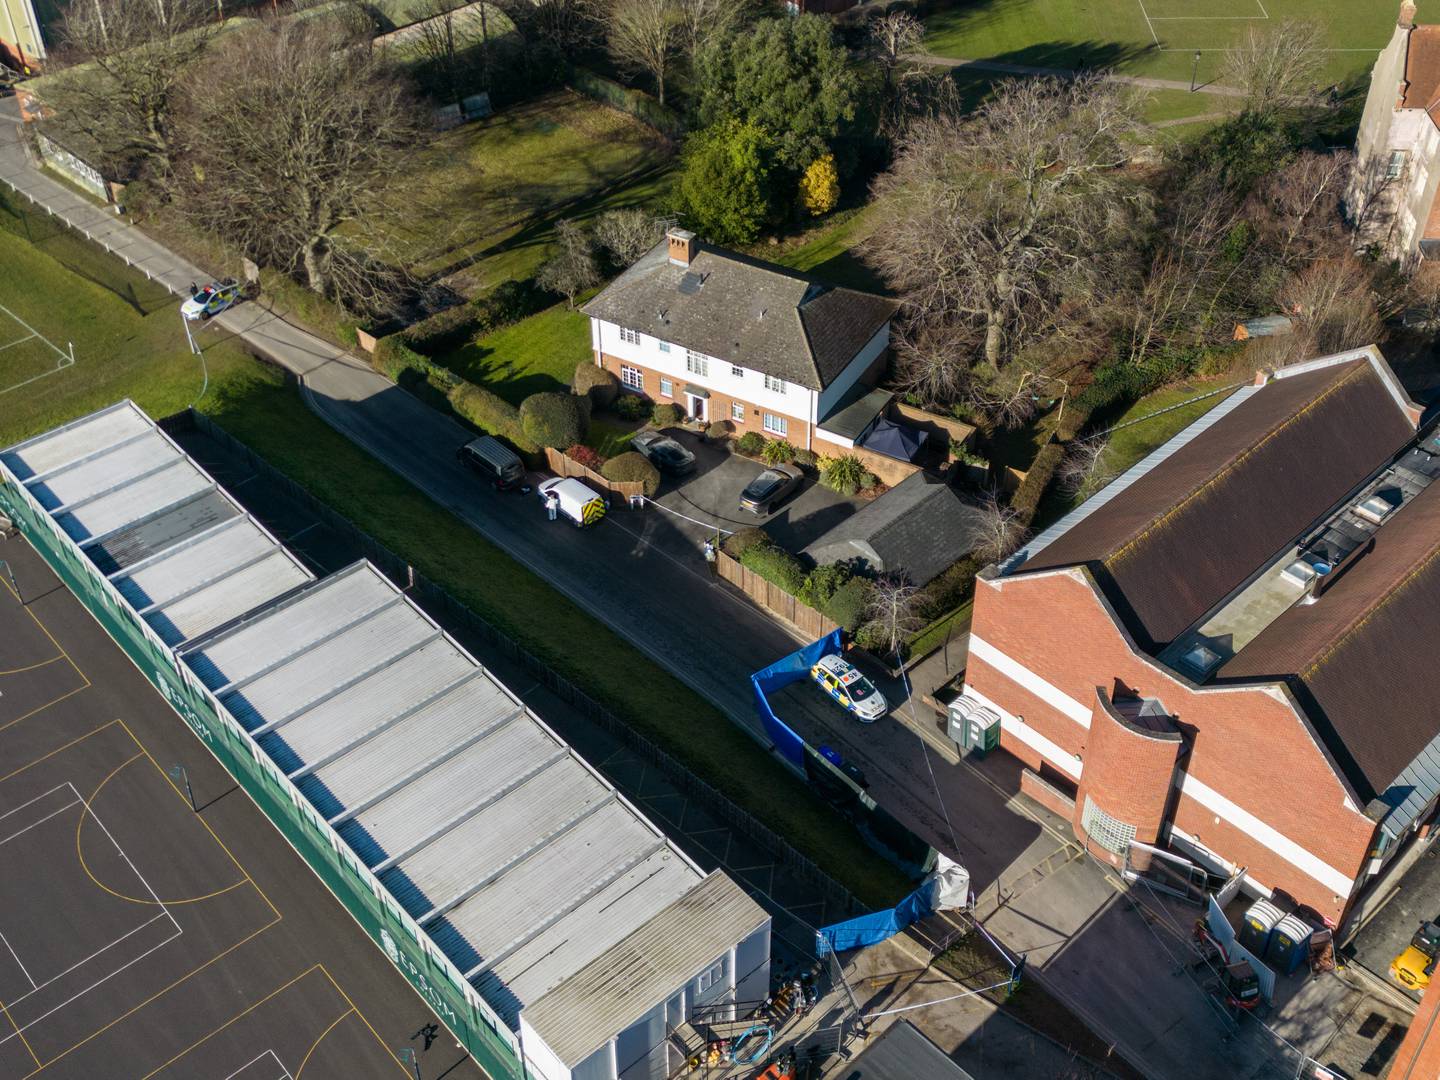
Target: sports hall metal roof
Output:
{"points": [[524, 865], [178, 548]]}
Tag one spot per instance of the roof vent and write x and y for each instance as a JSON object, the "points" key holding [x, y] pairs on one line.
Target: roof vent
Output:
{"points": [[1201, 660], [1299, 573], [690, 283]]}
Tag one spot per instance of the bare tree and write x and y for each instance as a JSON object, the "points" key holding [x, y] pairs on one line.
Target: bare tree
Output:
{"points": [[998, 216], [571, 270], [892, 608], [645, 35], [1299, 207], [1335, 307], [628, 233], [1085, 468], [1276, 67], [566, 26], [998, 529], [446, 32], [702, 21], [303, 152], [934, 357], [130, 58], [894, 38]]}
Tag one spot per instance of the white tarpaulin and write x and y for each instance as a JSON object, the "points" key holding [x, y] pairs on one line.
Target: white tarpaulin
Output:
{"points": [[949, 885], [1224, 933]]}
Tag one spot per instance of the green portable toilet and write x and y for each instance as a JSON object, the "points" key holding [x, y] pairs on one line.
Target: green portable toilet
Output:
{"points": [[974, 726]]}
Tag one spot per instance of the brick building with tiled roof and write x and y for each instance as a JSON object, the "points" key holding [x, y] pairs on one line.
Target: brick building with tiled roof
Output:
{"points": [[1225, 653]]}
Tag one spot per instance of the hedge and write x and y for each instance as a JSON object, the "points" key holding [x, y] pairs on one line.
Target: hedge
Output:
{"points": [[393, 359], [491, 414], [641, 106], [552, 418], [742, 540], [1026, 500], [593, 381], [632, 465], [443, 332], [948, 589], [665, 415]]}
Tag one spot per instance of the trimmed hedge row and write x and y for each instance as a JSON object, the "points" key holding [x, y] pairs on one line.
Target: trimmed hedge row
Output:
{"points": [[1026, 500], [492, 414], [632, 466], [456, 326], [641, 106], [948, 589]]}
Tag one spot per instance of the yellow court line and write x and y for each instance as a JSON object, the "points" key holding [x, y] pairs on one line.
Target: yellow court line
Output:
{"points": [[159, 993], [237, 1016], [57, 750], [45, 630], [213, 834], [356, 1009], [34, 1057], [80, 854], [33, 667], [316, 1044], [42, 708]]}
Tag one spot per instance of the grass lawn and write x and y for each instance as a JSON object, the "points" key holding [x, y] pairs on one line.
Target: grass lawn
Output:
{"points": [[827, 250], [478, 185], [1122, 34], [534, 354], [122, 352], [1133, 442], [609, 435]]}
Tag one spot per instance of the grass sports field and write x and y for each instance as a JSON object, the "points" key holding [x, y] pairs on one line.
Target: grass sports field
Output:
{"points": [[1148, 37]]}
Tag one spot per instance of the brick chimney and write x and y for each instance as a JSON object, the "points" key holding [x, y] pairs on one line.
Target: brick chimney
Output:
{"points": [[1407, 15], [682, 246]]}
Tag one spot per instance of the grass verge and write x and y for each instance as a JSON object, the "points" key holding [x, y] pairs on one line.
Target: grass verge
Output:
{"points": [[534, 354]]}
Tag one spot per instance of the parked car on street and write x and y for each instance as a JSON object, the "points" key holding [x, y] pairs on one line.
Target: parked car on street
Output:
{"points": [[493, 460], [574, 500], [211, 300], [768, 490], [664, 453], [855, 693]]}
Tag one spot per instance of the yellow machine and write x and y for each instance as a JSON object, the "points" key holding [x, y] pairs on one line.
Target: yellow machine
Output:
{"points": [[1414, 966]]}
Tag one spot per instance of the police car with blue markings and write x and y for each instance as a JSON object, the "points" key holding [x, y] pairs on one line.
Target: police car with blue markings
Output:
{"points": [[853, 691]]}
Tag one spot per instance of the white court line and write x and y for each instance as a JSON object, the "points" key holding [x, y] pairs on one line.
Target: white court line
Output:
{"points": [[18, 341], [17, 961], [65, 358], [42, 821], [96, 817], [87, 959], [36, 799], [284, 1072], [1154, 36]]}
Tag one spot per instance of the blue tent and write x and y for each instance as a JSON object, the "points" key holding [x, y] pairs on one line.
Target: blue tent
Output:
{"points": [[894, 440]]}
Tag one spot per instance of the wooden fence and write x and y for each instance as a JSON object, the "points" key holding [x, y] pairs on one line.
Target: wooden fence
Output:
{"points": [[561, 465], [773, 598]]}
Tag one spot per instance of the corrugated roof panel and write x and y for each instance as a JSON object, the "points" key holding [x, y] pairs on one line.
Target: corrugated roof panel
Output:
{"points": [[365, 707], [129, 460], [171, 575], [288, 631], [227, 597], [500, 833], [551, 880], [375, 766], [133, 501], [599, 924], [74, 441], [131, 546], [370, 643]]}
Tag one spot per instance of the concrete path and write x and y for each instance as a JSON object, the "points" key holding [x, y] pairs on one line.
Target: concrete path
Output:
{"points": [[643, 575], [1003, 68]]}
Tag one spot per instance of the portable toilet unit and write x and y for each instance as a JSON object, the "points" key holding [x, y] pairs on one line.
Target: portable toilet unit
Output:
{"points": [[1289, 945], [973, 726], [1256, 926]]}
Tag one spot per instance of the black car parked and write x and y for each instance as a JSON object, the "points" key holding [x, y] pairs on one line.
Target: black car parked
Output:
{"points": [[664, 453]]}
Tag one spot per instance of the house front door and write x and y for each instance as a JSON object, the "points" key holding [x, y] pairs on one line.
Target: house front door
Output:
{"points": [[697, 408]]}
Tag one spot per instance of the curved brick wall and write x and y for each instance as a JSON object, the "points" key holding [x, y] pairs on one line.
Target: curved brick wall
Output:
{"points": [[1128, 772]]}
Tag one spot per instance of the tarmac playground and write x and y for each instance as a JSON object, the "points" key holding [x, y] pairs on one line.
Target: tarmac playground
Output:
{"points": [[142, 938]]}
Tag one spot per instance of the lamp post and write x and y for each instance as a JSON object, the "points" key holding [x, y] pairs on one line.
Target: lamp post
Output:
{"points": [[188, 336], [1195, 71]]}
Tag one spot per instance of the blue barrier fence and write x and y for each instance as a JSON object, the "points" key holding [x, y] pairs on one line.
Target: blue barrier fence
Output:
{"points": [[874, 928], [782, 673]]}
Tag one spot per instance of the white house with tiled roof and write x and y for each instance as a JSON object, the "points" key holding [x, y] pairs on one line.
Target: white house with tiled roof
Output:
{"points": [[729, 338]]}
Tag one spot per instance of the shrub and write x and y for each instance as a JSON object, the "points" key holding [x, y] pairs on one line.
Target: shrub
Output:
{"points": [[725, 187], [665, 415], [775, 565], [491, 414], [947, 590], [806, 459], [554, 419], [821, 583], [873, 637], [509, 302], [1026, 499], [842, 474], [820, 186], [632, 465], [599, 385], [846, 608], [586, 455], [718, 430], [742, 540], [444, 331], [868, 480], [631, 407], [777, 452], [752, 442]]}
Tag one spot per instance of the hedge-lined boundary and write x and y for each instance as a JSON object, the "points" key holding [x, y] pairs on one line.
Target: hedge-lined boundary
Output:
{"points": [[644, 108]]}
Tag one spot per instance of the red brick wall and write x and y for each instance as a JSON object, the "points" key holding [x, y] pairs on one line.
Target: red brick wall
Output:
{"points": [[1127, 772], [1419, 1055], [720, 403], [1047, 794], [1245, 743]]}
